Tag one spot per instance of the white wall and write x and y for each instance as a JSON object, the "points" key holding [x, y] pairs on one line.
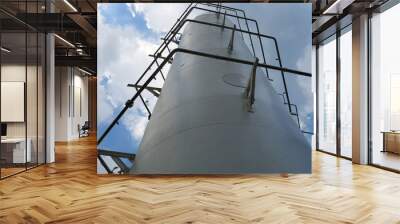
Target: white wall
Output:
{"points": [[12, 73], [17, 73], [62, 81], [71, 87], [33, 126], [79, 117], [13, 100]]}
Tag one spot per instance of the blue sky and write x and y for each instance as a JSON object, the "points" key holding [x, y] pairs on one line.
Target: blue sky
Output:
{"points": [[127, 33]]}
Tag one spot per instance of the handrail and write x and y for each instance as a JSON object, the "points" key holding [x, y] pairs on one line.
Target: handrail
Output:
{"points": [[259, 35], [261, 45], [248, 32], [177, 26], [295, 114], [175, 30], [129, 103], [248, 29], [240, 30], [234, 10], [247, 25], [295, 106]]}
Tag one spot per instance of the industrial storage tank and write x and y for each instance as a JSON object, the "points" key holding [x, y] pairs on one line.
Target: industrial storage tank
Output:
{"points": [[201, 123]]}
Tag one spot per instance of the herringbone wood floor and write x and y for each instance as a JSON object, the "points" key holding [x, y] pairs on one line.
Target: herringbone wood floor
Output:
{"points": [[69, 191]]}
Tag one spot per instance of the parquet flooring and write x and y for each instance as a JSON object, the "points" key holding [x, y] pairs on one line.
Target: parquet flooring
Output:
{"points": [[10, 171], [69, 191]]}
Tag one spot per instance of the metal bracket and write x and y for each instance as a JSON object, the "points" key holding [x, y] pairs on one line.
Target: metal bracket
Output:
{"points": [[162, 57], [129, 103], [218, 10], [154, 90], [251, 87], [230, 46], [223, 21], [173, 39]]}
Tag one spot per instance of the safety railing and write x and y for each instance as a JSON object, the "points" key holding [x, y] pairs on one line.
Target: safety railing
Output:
{"points": [[171, 37], [234, 29], [164, 45], [129, 103], [295, 113], [182, 22]]}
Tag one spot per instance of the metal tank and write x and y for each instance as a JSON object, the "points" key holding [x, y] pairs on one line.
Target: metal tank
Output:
{"points": [[201, 123]]}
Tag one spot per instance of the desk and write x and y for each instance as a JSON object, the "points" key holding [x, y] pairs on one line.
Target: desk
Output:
{"points": [[391, 141], [13, 150]]}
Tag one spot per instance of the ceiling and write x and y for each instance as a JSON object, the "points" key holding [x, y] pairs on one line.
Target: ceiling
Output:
{"points": [[74, 22], [331, 15]]}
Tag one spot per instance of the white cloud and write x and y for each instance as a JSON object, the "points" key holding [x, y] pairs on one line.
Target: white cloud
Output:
{"points": [[131, 10], [303, 63], [137, 122], [105, 108], [122, 58], [159, 18]]}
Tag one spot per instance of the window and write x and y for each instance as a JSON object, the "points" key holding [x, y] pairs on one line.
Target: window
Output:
{"points": [[394, 102], [345, 92], [23, 77], [327, 95], [385, 89]]}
